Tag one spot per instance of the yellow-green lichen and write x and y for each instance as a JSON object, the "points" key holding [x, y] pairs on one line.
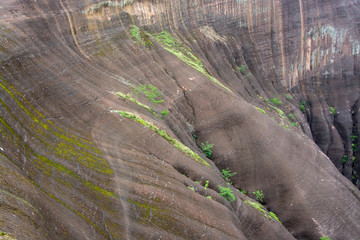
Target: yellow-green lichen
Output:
{"points": [[51, 196], [177, 48], [2, 191], [69, 146], [156, 216], [184, 149], [6, 236], [70, 208], [41, 162]]}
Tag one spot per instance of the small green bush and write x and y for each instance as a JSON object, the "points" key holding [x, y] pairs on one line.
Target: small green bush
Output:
{"points": [[332, 110], [241, 69], [303, 106], [227, 174], [259, 195], [164, 113], [345, 158], [194, 136], [353, 137], [289, 97], [206, 148], [292, 116], [226, 193], [354, 147], [275, 101], [243, 192]]}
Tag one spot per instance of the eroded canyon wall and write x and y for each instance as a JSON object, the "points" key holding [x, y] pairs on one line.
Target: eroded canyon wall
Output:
{"points": [[104, 106]]}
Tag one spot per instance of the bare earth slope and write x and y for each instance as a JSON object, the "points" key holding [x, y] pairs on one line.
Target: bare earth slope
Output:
{"points": [[104, 106]]}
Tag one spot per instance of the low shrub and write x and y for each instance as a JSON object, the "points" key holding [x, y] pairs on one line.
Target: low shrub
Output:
{"points": [[227, 174], [241, 69], [259, 195], [206, 148], [289, 97], [275, 101], [164, 113], [332, 110], [303, 106], [226, 193]]}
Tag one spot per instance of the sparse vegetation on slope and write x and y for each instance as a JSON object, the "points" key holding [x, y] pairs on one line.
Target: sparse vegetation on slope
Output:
{"points": [[177, 48], [150, 91], [128, 97], [140, 36], [184, 149]]}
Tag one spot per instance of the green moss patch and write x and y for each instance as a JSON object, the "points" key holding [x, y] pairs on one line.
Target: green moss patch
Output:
{"points": [[184, 149], [5, 236], [261, 208], [140, 36]]}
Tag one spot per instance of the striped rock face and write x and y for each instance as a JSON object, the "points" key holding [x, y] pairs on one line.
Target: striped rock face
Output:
{"points": [[179, 119]]}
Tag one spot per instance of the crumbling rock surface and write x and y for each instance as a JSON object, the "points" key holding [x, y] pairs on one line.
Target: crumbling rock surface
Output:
{"points": [[104, 106]]}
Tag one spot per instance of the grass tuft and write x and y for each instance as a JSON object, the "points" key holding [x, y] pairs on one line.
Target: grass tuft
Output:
{"points": [[261, 110]]}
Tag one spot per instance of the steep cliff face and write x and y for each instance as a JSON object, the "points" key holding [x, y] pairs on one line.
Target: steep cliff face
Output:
{"points": [[104, 106]]}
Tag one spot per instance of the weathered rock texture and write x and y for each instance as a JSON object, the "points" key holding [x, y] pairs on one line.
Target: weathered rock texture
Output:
{"points": [[75, 163]]}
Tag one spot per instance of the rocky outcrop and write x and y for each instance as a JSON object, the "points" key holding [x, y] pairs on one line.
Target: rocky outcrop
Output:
{"points": [[104, 107]]}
